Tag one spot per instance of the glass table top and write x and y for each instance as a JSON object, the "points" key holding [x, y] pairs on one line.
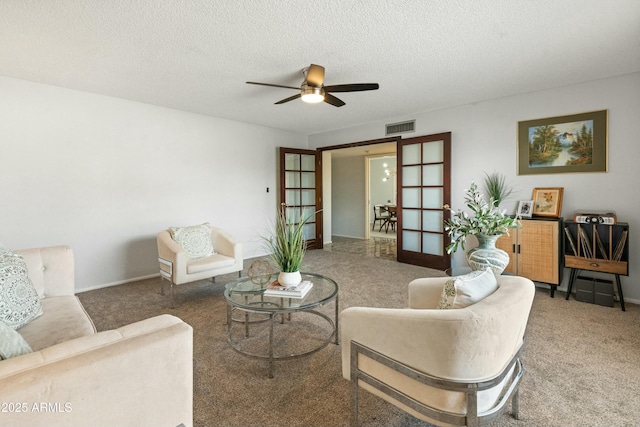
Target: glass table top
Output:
{"points": [[244, 293]]}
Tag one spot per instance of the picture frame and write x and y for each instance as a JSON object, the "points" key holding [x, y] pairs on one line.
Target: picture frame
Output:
{"points": [[564, 144], [525, 209], [547, 201]]}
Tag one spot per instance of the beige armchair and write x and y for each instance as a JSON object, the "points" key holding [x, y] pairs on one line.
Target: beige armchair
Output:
{"points": [[445, 366], [178, 267]]}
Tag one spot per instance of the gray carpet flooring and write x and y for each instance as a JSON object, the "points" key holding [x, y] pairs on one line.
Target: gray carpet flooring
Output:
{"points": [[582, 361]]}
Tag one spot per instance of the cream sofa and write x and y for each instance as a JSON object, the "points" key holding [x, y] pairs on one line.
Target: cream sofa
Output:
{"points": [[137, 375]]}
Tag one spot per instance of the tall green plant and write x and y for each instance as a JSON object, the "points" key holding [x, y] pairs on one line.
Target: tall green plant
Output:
{"points": [[497, 187], [286, 244]]}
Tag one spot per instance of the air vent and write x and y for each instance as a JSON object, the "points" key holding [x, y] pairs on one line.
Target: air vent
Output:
{"points": [[403, 127]]}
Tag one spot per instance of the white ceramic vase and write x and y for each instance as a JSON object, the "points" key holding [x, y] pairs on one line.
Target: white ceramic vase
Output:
{"points": [[289, 279], [487, 255]]}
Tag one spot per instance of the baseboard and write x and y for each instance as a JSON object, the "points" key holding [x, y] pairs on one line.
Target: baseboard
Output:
{"points": [[119, 282], [350, 237]]}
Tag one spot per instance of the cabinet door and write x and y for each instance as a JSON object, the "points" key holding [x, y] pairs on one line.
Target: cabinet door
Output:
{"points": [[508, 243], [537, 257]]}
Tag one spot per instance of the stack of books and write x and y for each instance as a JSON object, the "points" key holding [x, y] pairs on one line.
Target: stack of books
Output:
{"points": [[296, 291]]}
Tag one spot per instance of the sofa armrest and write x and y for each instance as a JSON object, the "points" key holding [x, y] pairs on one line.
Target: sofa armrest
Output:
{"points": [[425, 293], [51, 270], [137, 375], [225, 244], [170, 250]]}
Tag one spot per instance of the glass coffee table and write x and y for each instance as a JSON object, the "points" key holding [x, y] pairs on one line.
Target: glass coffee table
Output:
{"points": [[263, 313]]}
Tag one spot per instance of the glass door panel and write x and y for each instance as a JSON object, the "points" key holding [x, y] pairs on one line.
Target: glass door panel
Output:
{"points": [[432, 244], [411, 219], [432, 221], [432, 175], [411, 241], [410, 198], [411, 175], [433, 152], [410, 154], [432, 198]]}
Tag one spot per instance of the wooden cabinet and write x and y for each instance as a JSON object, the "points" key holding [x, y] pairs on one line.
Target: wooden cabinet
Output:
{"points": [[535, 251], [597, 247]]}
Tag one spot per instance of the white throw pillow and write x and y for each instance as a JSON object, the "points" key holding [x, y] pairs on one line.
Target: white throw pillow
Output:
{"points": [[19, 300], [462, 291], [11, 343], [195, 240]]}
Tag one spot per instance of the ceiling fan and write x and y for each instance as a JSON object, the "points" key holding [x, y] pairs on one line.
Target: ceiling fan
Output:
{"points": [[313, 90]]}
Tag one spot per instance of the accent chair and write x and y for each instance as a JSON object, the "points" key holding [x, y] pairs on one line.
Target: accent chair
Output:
{"points": [[455, 366], [189, 254]]}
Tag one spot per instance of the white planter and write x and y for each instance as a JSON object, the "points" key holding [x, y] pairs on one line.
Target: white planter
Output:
{"points": [[289, 279]]}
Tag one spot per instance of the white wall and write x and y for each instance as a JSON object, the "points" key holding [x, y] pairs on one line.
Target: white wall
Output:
{"points": [[484, 140], [348, 198], [381, 192], [105, 175]]}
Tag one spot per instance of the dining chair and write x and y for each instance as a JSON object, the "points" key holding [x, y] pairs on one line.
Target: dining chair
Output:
{"points": [[381, 215], [392, 218]]}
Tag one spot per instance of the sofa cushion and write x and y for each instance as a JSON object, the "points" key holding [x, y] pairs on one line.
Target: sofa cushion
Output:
{"points": [[462, 291], [195, 240], [64, 318], [11, 343], [209, 263], [19, 300]]}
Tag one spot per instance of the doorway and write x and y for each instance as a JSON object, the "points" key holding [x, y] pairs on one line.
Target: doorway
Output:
{"points": [[345, 187], [349, 192], [381, 178]]}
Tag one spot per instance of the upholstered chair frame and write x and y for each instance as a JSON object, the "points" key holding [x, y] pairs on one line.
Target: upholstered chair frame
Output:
{"points": [[471, 418]]}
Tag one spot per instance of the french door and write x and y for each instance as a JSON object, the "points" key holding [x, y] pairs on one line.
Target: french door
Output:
{"points": [[301, 190], [424, 175]]}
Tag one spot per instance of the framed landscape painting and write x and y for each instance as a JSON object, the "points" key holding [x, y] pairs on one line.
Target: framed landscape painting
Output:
{"points": [[574, 143]]}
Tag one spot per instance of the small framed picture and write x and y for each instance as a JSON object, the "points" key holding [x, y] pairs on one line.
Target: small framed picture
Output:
{"points": [[547, 201], [525, 208]]}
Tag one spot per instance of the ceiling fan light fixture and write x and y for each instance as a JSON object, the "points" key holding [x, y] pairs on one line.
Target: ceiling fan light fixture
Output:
{"points": [[312, 95]]}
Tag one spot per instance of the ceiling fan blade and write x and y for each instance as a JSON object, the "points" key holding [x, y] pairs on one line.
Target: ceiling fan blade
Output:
{"points": [[315, 75], [354, 87], [272, 85], [291, 98], [330, 99]]}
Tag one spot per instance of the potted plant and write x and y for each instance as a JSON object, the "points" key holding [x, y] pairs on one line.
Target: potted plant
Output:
{"points": [[286, 246], [497, 187], [487, 223]]}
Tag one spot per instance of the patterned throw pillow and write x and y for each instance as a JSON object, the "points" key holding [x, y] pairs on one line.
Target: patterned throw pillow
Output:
{"points": [[195, 240], [19, 300], [462, 291], [11, 343]]}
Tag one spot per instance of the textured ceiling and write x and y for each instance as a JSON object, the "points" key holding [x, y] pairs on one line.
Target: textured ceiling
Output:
{"points": [[196, 55]]}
